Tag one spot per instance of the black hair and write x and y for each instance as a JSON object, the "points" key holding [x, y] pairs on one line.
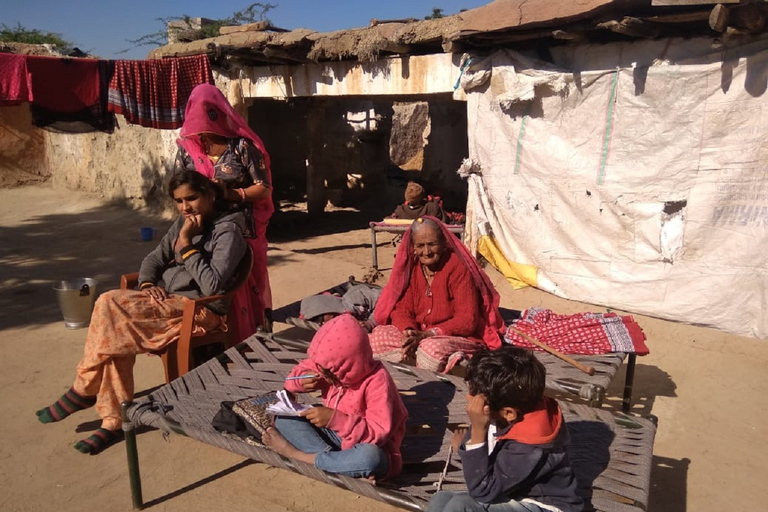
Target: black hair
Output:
{"points": [[195, 180], [507, 377], [200, 184]]}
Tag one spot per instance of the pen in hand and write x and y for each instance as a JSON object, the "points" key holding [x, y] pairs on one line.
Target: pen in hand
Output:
{"points": [[298, 377]]}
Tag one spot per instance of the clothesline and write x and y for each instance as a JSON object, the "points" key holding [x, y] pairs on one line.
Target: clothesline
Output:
{"points": [[78, 95]]}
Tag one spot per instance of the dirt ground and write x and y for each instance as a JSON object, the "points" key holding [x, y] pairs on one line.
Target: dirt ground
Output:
{"points": [[703, 385]]}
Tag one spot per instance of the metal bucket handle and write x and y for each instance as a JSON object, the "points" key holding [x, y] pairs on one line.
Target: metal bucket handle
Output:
{"points": [[85, 290]]}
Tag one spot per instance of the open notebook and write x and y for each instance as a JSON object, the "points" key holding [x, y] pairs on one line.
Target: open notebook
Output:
{"points": [[285, 406]]}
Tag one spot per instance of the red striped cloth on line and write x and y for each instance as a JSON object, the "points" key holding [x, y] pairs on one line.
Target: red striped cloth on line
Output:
{"points": [[154, 93], [580, 333]]}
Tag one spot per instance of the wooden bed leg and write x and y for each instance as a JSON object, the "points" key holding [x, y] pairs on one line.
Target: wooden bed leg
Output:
{"points": [[133, 458], [628, 382], [374, 249], [598, 395]]}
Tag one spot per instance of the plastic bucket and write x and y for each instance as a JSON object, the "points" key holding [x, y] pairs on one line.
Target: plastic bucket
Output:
{"points": [[76, 298]]}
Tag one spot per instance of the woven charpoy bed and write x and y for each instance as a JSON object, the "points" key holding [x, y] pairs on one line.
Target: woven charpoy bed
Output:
{"points": [[561, 376], [611, 454], [399, 229]]}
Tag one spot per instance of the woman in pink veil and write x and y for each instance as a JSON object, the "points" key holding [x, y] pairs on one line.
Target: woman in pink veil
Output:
{"points": [[217, 142]]}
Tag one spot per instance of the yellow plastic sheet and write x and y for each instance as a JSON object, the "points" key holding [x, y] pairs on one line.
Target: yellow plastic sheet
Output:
{"points": [[519, 275]]}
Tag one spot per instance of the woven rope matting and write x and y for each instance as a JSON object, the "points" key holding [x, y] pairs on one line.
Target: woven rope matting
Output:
{"points": [[561, 376], [384, 227], [612, 461]]}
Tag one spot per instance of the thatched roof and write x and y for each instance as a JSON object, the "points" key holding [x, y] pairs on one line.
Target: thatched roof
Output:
{"points": [[502, 22]]}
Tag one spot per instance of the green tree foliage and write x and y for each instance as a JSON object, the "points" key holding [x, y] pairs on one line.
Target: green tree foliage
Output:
{"points": [[255, 12], [19, 34], [437, 13]]}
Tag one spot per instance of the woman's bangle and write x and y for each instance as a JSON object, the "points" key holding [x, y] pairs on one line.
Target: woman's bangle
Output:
{"points": [[242, 194]]}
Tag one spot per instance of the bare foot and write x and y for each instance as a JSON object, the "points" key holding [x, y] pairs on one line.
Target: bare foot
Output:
{"points": [[275, 441], [370, 479]]}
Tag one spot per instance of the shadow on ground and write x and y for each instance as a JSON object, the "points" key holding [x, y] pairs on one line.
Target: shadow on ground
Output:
{"points": [[291, 225], [669, 484], [105, 242], [43, 250], [649, 383], [669, 477], [200, 483]]}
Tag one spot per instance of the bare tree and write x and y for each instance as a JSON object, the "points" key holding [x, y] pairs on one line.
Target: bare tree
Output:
{"points": [[256, 11]]}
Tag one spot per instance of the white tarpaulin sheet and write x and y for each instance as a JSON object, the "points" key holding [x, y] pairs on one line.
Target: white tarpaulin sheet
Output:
{"points": [[632, 176]]}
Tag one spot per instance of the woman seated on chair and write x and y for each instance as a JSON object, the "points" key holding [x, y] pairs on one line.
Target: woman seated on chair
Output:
{"points": [[198, 257], [438, 306]]}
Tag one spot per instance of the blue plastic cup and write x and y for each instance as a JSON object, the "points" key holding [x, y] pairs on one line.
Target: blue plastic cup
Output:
{"points": [[147, 234]]}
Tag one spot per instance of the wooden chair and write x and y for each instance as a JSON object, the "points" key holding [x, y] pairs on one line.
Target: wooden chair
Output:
{"points": [[179, 357]]}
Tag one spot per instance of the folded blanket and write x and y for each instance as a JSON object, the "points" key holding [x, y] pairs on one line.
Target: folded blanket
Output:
{"points": [[580, 333]]}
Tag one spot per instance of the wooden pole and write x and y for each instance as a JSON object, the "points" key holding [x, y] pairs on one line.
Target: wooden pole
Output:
{"points": [[589, 370]]}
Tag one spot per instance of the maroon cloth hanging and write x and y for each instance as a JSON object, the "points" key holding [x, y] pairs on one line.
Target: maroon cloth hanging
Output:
{"points": [[14, 80], [69, 94]]}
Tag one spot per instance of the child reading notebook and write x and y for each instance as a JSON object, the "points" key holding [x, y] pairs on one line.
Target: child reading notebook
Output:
{"points": [[358, 430]]}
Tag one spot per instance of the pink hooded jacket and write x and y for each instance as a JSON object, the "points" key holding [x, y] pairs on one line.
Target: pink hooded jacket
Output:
{"points": [[367, 404]]}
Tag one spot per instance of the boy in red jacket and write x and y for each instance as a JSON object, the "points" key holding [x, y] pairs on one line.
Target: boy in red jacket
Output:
{"points": [[513, 455], [358, 430]]}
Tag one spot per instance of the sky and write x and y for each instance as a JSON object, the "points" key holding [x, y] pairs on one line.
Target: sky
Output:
{"points": [[103, 27]]}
